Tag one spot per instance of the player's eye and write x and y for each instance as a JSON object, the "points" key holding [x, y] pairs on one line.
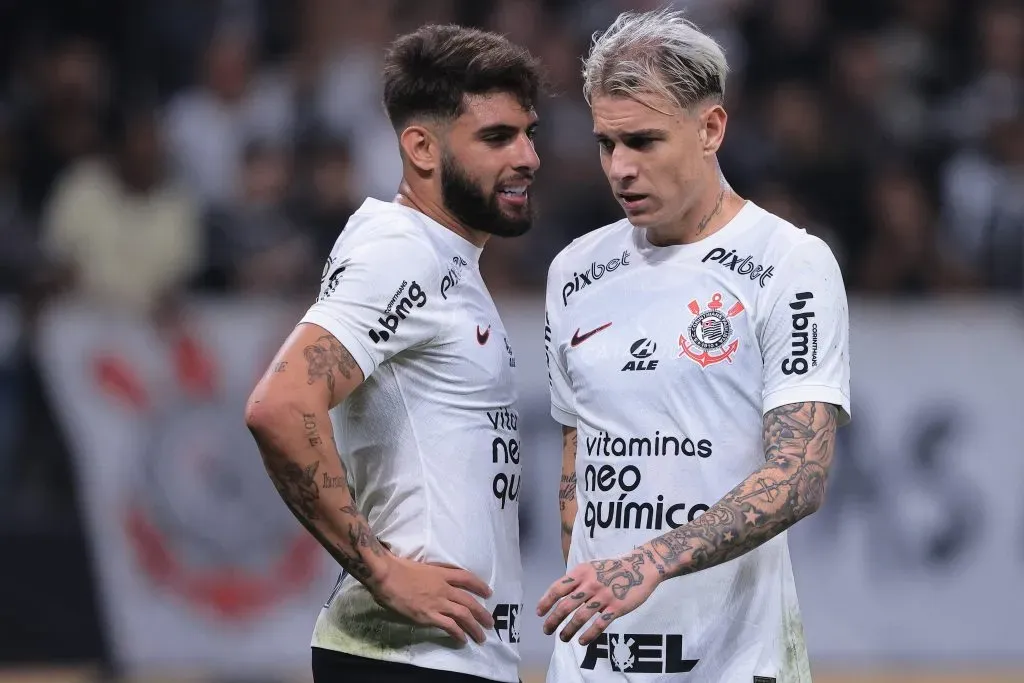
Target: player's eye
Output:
{"points": [[606, 145], [639, 143], [497, 138]]}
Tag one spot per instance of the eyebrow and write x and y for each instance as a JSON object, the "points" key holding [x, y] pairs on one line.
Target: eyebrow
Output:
{"points": [[500, 128], [654, 133]]}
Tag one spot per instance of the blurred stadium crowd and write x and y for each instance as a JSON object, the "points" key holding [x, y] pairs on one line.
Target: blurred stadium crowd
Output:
{"points": [[151, 149]]}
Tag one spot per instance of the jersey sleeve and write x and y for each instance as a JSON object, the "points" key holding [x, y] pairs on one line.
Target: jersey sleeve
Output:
{"points": [[377, 297], [562, 404], [805, 339]]}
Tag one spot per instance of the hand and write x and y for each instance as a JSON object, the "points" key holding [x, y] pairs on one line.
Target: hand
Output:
{"points": [[610, 588], [435, 595]]}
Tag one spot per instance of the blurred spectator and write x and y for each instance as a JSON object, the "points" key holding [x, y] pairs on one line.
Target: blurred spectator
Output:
{"points": [[817, 164], [62, 115], [916, 64], [904, 254], [20, 257], [254, 245], [128, 235], [327, 194], [996, 91], [208, 125], [790, 40], [983, 199], [350, 89]]}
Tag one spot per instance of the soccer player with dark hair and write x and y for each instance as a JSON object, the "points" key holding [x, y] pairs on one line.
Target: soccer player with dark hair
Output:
{"points": [[405, 353]]}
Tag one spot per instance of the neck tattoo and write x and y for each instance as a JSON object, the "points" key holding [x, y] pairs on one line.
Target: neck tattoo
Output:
{"points": [[714, 212]]}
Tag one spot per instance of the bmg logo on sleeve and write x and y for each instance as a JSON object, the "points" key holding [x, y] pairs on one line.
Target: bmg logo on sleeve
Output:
{"points": [[393, 317], [801, 343]]}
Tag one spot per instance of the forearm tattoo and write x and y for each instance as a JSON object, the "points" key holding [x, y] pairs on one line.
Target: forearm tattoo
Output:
{"points": [[799, 440], [567, 488], [297, 485]]}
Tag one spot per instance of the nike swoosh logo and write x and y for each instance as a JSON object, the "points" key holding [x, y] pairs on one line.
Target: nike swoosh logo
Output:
{"points": [[578, 338], [482, 337]]}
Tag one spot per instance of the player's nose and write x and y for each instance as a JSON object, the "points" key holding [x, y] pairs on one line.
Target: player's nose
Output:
{"points": [[526, 155], [621, 167]]}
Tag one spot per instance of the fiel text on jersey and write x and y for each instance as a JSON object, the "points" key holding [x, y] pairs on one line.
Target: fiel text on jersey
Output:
{"points": [[640, 653]]}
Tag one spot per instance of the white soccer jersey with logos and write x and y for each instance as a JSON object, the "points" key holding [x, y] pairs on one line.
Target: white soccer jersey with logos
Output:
{"points": [[666, 359], [430, 439]]}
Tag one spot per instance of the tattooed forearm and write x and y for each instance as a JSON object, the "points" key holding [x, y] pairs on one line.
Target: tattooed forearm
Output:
{"points": [[312, 432], [566, 490], [297, 485], [361, 539], [326, 357], [798, 441], [336, 482], [318, 493]]}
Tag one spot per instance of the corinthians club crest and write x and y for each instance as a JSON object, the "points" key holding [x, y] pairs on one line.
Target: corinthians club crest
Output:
{"points": [[706, 342]]}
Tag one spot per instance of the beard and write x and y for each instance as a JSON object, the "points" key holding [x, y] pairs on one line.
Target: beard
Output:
{"points": [[468, 203]]}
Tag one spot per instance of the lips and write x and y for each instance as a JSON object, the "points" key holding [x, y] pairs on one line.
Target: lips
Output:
{"points": [[514, 194], [631, 200]]}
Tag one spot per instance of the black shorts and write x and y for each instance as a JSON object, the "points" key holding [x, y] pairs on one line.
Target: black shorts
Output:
{"points": [[330, 666]]}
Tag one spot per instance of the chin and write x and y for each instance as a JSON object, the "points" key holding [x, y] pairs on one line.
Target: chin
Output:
{"points": [[642, 220]]}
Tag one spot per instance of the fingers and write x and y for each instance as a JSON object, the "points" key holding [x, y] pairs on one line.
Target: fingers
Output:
{"points": [[448, 625], [556, 591], [597, 628], [579, 619], [563, 609], [480, 613], [461, 578], [464, 618]]}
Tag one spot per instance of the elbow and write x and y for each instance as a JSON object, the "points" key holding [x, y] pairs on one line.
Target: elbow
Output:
{"points": [[813, 501], [264, 416]]}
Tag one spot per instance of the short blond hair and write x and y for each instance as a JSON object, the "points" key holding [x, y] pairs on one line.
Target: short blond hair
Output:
{"points": [[655, 53]]}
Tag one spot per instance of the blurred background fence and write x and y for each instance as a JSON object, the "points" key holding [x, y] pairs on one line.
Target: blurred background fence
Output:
{"points": [[173, 173]]}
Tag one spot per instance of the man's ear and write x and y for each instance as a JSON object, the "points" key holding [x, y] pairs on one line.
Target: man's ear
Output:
{"points": [[421, 147], [712, 130]]}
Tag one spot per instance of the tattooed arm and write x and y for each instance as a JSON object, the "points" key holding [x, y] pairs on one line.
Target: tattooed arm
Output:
{"points": [[567, 488], [798, 441], [288, 416]]}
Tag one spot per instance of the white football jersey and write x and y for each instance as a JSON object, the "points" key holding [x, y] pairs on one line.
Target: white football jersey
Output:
{"points": [[666, 359], [430, 439]]}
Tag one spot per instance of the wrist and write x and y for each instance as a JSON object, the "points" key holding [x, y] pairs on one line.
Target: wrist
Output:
{"points": [[668, 564], [380, 569]]}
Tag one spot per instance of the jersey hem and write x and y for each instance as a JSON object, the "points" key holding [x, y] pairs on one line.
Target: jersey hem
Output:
{"points": [[345, 337], [808, 393]]}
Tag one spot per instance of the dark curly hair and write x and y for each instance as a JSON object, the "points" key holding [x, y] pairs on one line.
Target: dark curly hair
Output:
{"points": [[428, 73]]}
